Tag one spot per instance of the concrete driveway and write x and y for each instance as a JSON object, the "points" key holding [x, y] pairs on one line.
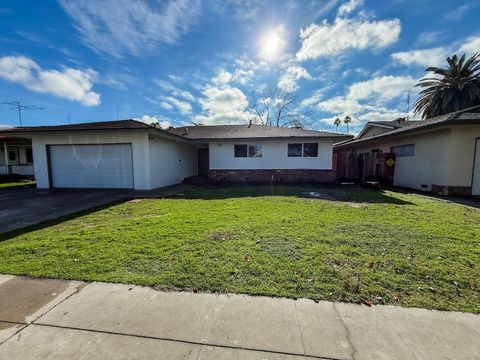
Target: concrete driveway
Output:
{"points": [[55, 319], [24, 207]]}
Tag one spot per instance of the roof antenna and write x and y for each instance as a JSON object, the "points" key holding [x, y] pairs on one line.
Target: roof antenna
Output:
{"points": [[20, 107], [68, 118]]}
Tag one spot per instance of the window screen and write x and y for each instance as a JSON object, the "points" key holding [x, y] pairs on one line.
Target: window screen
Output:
{"points": [[404, 150], [241, 150], [310, 149], [294, 150]]}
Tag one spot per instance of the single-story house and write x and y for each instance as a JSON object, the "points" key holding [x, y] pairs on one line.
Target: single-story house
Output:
{"points": [[16, 156], [132, 154], [440, 155]]}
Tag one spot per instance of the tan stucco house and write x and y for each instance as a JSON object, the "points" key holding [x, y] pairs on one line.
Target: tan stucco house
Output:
{"points": [[440, 155]]}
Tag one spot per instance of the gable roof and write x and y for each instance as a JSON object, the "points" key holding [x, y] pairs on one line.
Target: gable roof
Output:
{"points": [[455, 118], [216, 132], [392, 124]]}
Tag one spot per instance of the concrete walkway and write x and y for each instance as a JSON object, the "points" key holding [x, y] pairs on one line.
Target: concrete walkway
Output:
{"points": [[54, 319]]}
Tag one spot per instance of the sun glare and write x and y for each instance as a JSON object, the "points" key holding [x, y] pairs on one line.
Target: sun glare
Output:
{"points": [[272, 44]]}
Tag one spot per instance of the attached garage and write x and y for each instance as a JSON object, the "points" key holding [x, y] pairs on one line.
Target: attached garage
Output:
{"points": [[91, 166]]}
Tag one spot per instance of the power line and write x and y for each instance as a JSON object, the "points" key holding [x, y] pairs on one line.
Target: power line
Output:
{"points": [[17, 105]]}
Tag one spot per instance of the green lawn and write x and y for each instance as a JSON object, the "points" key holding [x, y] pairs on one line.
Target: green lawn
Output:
{"points": [[18, 183], [357, 246]]}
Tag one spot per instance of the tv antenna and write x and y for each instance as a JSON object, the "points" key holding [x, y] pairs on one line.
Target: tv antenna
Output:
{"points": [[17, 105]]}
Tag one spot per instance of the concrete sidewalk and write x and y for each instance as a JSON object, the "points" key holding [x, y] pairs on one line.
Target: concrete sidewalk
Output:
{"points": [[54, 319]]}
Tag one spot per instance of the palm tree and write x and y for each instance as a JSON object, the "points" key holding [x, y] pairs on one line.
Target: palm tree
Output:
{"points": [[337, 123], [347, 121], [451, 89]]}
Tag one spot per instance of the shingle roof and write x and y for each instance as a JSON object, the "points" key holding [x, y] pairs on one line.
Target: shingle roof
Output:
{"points": [[456, 118], [100, 125], [393, 123], [202, 132], [212, 132]]}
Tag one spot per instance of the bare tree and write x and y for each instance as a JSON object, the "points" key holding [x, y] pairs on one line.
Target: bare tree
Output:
{"points": [[274, 107]]}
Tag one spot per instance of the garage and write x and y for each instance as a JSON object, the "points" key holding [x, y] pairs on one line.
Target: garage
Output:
{"points": [[91, 166]]}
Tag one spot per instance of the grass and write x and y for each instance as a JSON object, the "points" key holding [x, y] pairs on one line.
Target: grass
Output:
{"points": [[17, 183], [357, 246]]}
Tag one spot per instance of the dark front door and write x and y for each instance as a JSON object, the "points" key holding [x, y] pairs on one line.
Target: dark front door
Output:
{"points": [[203, 161]]}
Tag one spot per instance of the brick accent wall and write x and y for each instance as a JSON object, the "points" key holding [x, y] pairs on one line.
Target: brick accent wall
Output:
{"points": [[452, 190], [275, 175]]}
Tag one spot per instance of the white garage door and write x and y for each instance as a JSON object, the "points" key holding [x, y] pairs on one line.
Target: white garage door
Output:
{"points": [[91, 166], [476, 171]]}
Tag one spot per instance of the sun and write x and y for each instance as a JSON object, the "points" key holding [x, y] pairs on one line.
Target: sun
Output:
{"points": [[272, 44]]}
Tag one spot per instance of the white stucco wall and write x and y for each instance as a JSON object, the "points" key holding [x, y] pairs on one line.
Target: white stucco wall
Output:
{"points": [[139, 141], [442, 157], [221, 154], [170, 161], [428, 166], [461, 156]]}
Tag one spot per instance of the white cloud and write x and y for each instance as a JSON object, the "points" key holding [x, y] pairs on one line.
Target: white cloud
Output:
{"points": [[183, 106], [165, 105], [471, 45], [68, 83], [149, 119], [344, 34], [376, 92], [422, 57], [223, 105], [114, 27], [174, 90], [429, 37], [349, 6], [316, 97], [223, 77], [383, 89], [341, 105], [457, 13], [382, 115], [293, 73]]}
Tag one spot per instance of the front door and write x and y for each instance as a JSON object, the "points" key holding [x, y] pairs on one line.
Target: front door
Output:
{"points": [[203, 163], [476, 170]]}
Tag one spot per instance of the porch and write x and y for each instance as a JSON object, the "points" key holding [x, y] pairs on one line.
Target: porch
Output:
{"points": [[16, 157]]}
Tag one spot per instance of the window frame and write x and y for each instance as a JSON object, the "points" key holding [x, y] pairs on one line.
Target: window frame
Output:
{"points": [[316, 152], [248, 152], [402, 148], [302, 151], [235, 146], [258, 154], [296, 144]]}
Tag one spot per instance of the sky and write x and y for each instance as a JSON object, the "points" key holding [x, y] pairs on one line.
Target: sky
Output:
{"points": [[182, 61]]}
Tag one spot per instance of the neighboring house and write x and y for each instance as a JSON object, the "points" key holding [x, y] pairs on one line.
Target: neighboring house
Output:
{"points": [[16, 157], [132, 154], [441, 155]]}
